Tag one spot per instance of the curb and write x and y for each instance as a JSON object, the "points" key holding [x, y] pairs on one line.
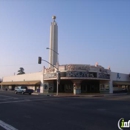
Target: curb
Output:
{"points": [[67, 95], [41, 94], [35, 93]]}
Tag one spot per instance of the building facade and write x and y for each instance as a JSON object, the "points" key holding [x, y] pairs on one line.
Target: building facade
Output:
{"points": [[74, 78]]}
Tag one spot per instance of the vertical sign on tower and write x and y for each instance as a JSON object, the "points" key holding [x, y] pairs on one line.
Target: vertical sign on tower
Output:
{"points": [[53, 57]]}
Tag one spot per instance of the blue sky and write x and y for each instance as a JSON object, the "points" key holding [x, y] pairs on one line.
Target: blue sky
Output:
{"points": [[90, 31]]}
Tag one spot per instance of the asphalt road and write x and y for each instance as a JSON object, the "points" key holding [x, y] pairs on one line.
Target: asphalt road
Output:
{"points": [[39, 112]]}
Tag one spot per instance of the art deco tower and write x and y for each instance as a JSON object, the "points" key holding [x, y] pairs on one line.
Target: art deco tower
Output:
{"points": [[53, 52]]}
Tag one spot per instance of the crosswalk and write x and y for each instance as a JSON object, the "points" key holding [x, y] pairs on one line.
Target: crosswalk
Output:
{"points": [[21, 98], [6, 126]]}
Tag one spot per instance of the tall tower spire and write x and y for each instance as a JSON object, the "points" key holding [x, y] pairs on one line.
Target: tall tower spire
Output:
{"points": [[53, 52]]}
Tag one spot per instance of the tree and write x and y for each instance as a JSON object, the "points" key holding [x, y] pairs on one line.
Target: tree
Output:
{"points": [[21, 71]]}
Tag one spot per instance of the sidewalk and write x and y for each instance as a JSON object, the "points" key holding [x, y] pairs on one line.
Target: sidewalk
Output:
{"points": [[67, 94], [79, 95]]}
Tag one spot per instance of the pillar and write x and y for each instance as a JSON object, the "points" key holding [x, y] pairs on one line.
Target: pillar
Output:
{"points": [[110, 86], [1, 87], [41, 84], [76, 87]]}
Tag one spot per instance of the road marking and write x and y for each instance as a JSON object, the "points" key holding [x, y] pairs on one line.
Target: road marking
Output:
{"points": [[28, 100], [25, 100], [7, 126]]}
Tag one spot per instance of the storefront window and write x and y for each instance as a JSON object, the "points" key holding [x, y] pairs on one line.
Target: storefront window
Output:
{"points": [[104, 88]]}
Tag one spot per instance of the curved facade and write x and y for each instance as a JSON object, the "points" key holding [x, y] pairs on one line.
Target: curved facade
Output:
{"points": [[77, 78]]}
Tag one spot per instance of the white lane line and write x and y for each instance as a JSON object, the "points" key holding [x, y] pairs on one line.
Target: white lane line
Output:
{"points": [[7, 126], [21, 101], [26, 100]]}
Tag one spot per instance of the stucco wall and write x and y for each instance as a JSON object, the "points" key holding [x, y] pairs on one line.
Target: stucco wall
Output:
{"points": [[24, 77], [115, 76]]}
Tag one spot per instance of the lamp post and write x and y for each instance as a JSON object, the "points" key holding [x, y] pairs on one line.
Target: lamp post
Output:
{"points": [[58, 73], [54, 52]]}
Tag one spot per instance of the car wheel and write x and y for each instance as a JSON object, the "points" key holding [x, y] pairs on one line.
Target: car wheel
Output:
{"points": [[29, 93]]}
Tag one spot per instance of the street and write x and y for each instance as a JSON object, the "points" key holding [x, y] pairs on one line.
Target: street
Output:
{"points": [[40, 112]]}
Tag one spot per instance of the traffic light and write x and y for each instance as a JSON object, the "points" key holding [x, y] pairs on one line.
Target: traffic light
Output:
{"points": [[39, 60]]}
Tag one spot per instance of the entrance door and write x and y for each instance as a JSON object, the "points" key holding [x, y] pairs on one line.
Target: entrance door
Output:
{"points": [[90, 86], [65, 86]]}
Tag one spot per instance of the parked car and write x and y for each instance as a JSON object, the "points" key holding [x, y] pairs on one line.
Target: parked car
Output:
{"points": [[23, 90]]}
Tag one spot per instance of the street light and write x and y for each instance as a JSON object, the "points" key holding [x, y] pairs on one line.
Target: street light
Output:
{"points": [[58, 72], [52, 50]]}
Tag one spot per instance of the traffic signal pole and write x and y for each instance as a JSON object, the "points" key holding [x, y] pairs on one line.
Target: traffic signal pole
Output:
{"points": [[58, 72]]}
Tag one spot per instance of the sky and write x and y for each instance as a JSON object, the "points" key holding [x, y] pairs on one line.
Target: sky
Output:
{"points": [[89, 31]]}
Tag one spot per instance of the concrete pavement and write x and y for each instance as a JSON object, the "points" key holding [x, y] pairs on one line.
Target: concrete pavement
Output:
{"points": [[39, 112], [80, 95]]}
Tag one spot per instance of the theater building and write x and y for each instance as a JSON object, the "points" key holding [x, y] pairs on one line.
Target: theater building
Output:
{"points": [[74, 78], [78, 78]]}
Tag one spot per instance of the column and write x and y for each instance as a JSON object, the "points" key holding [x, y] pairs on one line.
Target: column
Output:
{"points": [[42, 84], [110, 86], [1, 87], [76, 87], [128, 89]]}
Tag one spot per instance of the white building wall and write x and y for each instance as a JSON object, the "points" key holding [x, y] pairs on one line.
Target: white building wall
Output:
{"points": [[119, 76], [115, 76], [27, 77], [23, 77], [42, 84]]}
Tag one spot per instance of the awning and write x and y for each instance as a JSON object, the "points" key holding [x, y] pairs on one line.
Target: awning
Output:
{"points": [[21, 83], [121, 83]]}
